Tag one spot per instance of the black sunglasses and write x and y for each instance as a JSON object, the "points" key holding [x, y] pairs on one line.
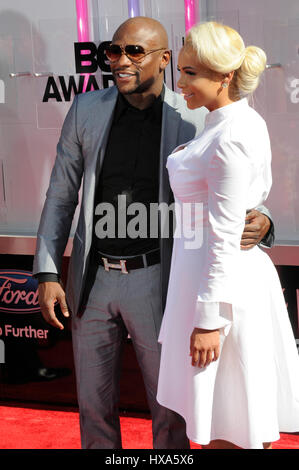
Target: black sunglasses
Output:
{"points": [[134, 52]]}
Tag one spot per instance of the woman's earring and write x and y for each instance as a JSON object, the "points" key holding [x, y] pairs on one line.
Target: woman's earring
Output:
{"points": [[224, 85]]}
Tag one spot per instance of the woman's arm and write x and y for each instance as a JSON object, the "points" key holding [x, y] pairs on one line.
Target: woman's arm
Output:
{"points": [[228, 183]]}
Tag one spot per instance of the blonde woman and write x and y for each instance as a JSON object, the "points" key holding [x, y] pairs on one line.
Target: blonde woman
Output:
{"points": [[229, 361]]}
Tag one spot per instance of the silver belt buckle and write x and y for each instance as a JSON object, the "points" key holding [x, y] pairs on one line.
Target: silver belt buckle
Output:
{"points": [[121, 265]]}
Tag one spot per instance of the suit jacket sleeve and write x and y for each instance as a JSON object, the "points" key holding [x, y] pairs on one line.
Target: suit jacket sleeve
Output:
{"points": [[269, 238], [61, 198]]}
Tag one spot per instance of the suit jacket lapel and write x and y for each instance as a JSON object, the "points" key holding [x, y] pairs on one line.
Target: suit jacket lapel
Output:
{"points": [[101, 126], [100, 122], [169, 136]]}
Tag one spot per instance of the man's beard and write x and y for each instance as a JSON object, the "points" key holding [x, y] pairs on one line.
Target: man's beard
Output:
{"points": [[140, 87]]}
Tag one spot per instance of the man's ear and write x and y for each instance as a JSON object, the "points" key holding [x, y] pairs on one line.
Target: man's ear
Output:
{"points": [[165, 59]]}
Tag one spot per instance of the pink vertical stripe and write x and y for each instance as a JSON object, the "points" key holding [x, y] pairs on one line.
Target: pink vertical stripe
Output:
{"points": [[190, 14], [82, 20], [83, 28]]}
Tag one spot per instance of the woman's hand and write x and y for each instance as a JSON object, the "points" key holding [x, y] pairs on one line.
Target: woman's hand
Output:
{"points": [[204, 346]]}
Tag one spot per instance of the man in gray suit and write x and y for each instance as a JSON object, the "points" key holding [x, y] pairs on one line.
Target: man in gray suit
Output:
{"points": [[117, 141]]}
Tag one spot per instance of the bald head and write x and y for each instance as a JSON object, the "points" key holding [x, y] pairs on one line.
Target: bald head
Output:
{"points": [[148, 27], [140, 80]]}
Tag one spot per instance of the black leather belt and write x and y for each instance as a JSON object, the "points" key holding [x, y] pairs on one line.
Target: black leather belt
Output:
{"points": [[127, 264]]}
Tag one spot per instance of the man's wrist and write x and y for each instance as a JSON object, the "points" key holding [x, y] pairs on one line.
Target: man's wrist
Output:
{"points": [[47, 277], [268, 240]]}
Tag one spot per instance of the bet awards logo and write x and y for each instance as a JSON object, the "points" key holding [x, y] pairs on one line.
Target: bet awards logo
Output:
{"points": [[18, 292], [88, 58]]}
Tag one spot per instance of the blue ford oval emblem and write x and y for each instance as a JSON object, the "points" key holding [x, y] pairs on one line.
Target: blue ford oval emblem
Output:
{"points": [[18, 292]]}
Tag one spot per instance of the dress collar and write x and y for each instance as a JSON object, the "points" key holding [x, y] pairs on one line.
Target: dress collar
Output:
{"points": [[225, 112]]}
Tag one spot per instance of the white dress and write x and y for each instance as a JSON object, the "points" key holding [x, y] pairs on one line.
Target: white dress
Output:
{"points": [[251, 393]]}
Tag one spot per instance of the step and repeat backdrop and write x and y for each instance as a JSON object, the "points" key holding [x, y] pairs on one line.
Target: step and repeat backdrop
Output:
{"points": [[51, 51]]}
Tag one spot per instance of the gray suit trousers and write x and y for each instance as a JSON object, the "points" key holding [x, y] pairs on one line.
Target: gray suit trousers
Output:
{"points": [[118, 304]]}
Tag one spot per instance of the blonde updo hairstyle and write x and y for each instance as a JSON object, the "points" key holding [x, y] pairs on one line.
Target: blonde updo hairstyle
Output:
{"points": [[221, 49]]}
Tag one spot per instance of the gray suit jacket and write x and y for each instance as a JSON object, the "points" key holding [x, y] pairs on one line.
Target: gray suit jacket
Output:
{"points": [[80, 154]]}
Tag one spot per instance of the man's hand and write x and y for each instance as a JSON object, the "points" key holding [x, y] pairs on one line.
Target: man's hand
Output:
{"points": [[256, 227], [204, 346], [48, 294]]}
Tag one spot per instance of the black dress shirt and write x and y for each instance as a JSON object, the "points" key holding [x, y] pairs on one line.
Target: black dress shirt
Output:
{"points": [[130, 174], [131, 169]]}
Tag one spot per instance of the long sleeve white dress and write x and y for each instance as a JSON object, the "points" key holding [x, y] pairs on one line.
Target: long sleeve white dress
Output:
{"points": [[251, 393]]}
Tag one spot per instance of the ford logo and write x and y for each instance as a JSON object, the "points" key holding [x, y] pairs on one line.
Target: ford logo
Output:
{"points": [[18, 292]]}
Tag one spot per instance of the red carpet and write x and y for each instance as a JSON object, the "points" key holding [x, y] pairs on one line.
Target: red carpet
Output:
{"points": [[33, 428]]}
